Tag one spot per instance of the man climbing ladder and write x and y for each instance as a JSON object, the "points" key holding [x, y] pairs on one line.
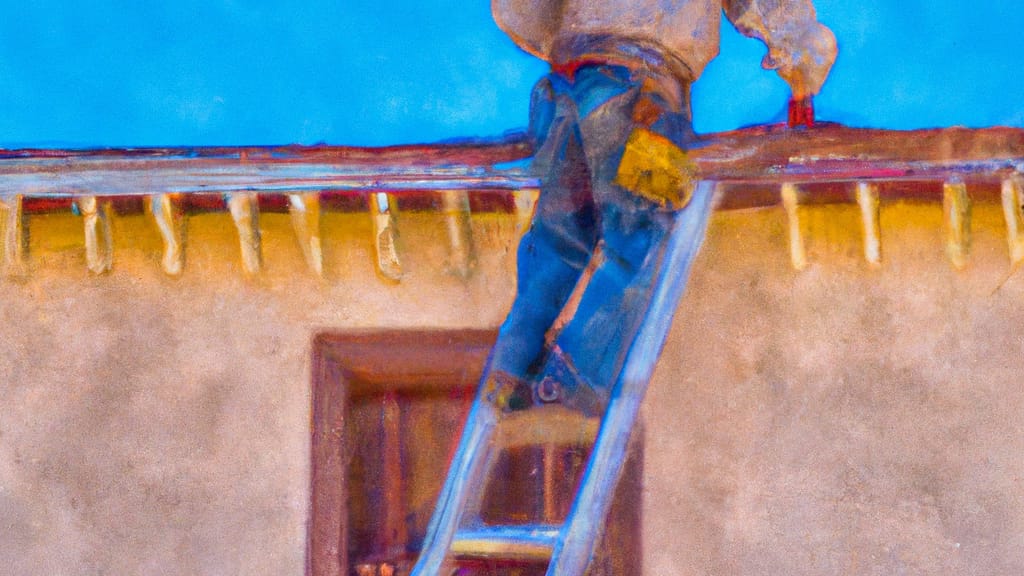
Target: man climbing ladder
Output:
{"points": [[618, 222]]}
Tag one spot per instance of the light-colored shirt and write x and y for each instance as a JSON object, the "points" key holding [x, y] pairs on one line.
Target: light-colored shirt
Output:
{"points": [[800, 49]]}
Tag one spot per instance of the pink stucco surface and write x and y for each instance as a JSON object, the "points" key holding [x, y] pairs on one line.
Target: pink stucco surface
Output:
{"points": [[842, 419]]}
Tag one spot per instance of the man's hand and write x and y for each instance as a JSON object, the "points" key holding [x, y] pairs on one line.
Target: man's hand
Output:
{"points": [[806, 66]]}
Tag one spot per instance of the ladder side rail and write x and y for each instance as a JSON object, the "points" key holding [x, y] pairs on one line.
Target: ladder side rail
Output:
{"points": [[467, 466]]}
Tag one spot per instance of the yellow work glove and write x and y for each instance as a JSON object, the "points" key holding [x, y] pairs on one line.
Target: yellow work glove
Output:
{"points": [[656, 169]]}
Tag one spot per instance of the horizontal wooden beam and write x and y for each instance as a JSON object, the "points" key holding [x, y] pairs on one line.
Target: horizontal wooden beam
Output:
{"points": [[765, 155]]}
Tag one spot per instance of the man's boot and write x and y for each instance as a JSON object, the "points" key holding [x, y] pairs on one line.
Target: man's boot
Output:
{"points": [[507, 392]]}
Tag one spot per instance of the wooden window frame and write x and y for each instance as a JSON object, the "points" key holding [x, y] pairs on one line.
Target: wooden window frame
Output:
{"points": [[346, 364]]}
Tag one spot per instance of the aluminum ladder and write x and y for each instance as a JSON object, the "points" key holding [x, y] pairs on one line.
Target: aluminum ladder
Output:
{"points": [[456, 530]]}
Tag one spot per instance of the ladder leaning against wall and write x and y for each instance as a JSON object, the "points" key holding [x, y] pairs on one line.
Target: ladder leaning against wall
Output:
{"points": [[458, 531]]}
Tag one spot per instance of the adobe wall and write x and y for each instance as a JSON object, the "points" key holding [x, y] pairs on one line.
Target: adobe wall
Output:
{"points": [[837, 420], [152, 425], [840, 420]]}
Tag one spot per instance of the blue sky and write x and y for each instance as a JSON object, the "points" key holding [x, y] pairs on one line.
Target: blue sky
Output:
{"points": [[395, 71]]}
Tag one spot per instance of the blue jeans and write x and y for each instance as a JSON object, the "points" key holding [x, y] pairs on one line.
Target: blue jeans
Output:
{"points": [[588, 265]]}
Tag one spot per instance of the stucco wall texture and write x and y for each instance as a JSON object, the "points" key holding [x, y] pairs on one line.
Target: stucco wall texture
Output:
{"points": [[842, 419]]}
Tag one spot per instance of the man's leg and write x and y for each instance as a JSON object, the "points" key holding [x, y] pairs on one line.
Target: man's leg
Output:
{"points": [[556, 249], [590, 349]]}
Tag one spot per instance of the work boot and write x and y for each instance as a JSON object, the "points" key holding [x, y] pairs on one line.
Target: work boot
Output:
{"points": [[507, 392]]}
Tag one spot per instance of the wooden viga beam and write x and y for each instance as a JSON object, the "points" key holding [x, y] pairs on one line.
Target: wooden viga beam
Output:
{"points": [[168, 222], [766, 157], [956, 208], [1013, 213], [956, 216], [867, 200], [461, 259], [245, 211], [790, 194], [99, 241], [385, 236], [304, 208], [13, 235]]}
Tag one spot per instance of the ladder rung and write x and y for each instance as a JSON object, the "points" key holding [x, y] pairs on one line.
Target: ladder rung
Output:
{"points": [[546, 424], [527, 542]]}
